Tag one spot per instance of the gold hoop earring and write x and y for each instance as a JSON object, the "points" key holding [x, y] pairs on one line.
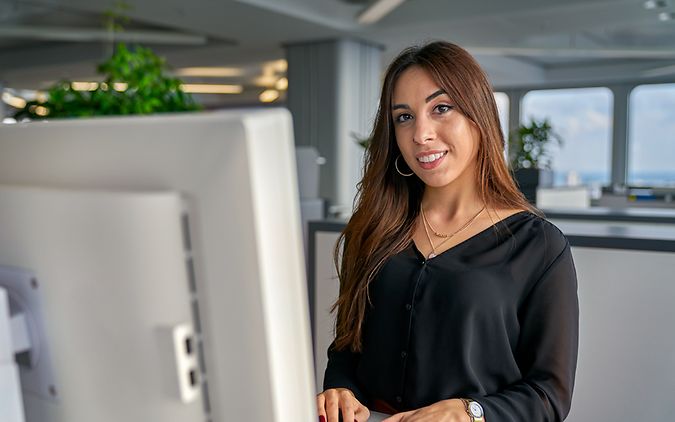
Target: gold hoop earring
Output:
{"points": [[399, 171]]}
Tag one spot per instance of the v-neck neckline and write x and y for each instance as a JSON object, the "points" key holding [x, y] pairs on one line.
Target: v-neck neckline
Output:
{"points": [[463, 242]]}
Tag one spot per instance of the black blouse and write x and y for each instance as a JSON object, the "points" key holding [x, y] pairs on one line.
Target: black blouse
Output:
{"points": [[494, 318]]}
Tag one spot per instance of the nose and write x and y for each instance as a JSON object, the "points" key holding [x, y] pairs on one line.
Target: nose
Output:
{"points": [[424, 131]]}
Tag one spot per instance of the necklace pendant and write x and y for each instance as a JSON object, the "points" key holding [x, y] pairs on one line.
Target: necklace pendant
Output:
{"points": [[431, 255]]}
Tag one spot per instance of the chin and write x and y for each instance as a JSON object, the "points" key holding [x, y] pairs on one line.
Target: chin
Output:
{"points": [[437, 182]]}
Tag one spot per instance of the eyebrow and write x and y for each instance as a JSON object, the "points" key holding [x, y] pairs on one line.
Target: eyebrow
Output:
{"points": [[426, 100]]}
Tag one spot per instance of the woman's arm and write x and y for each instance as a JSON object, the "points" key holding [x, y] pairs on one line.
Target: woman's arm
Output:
{"points": [[341, 371], [546, 352]]}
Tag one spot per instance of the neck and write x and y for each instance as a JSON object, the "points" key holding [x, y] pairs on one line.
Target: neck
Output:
{"points": [[455, 201]]}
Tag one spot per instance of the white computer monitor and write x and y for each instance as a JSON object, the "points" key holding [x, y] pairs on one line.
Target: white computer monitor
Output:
{"points": [[233, 174]]}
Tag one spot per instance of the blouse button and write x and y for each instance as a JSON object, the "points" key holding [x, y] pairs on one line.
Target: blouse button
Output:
{"points": [[403, 354], [399, 399], [408, 307]]}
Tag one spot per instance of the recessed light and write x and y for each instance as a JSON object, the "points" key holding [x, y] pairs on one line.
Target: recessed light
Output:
{"points": [[84, 86], [655, 4], [13, 100], [210, 72], [41, 111], [266, 81], [282, 84], [212, 89], [666, 16], [269, 95]]}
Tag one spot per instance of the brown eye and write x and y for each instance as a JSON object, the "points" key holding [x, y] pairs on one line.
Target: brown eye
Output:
{"points": [[443, 108], [404, 117]]}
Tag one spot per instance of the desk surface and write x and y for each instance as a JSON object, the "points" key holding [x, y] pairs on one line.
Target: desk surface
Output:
{"points": [[643, 215], [630, 235]]}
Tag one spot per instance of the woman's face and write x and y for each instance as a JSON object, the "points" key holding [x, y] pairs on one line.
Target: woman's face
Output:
{"points": [[437, 141]]}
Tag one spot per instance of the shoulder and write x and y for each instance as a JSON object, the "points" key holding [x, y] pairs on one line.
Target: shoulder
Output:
{"points": [[535, 233], [548, 238]]}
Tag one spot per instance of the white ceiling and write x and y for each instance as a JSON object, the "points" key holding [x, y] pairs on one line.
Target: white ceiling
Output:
{"points": [[516, 40]]}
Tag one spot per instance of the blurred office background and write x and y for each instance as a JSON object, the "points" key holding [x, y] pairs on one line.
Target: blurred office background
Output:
{"points": [[602, 71]]}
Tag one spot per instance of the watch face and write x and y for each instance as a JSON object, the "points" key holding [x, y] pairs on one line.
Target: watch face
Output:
{"points": [[476, 410]]}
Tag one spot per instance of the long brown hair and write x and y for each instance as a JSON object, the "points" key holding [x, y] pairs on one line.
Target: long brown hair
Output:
{"points": [[388, 204]]}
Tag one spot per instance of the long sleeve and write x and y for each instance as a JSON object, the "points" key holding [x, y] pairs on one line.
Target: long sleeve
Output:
{"points": [[546, 352], [341, 372]]}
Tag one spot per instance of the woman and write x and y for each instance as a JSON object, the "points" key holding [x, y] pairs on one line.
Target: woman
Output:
{"points": [[458, 300]]}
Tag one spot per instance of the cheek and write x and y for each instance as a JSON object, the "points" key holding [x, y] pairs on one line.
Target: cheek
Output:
{"points": [[470, 137], [400, 137]]}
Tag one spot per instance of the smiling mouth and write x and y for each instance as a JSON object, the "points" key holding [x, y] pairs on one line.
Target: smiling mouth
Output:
{"points": [[431, 157]]}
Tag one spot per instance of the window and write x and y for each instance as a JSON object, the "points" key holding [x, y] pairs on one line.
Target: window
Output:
{"points": [[651, 139], [502, 101], [583, 119]]}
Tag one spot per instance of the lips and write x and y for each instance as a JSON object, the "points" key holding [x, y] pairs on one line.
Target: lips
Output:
{"points": [[428, 158]]}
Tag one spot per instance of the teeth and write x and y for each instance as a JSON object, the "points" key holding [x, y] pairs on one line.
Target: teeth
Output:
{"points": [[430, 158]]}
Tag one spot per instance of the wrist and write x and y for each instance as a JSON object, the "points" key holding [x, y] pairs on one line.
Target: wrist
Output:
{"points": [[474, 410], [455, 409]]}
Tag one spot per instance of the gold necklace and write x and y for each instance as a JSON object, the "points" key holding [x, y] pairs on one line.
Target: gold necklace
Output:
{"points": [[447, 236], [424, 217]]}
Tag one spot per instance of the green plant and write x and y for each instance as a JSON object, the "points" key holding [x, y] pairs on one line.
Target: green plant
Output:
{"points": [[529, 145], [135, 82], [363, 142]]}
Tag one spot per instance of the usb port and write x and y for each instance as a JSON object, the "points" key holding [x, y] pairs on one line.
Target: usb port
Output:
{"points": [[188, 345]]}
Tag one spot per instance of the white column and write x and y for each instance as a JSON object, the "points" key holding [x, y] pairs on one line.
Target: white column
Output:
{"points": [[333, 90]]}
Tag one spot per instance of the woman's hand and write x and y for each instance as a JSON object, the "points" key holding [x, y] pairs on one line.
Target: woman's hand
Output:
{"points": [[452, 410], [335, 400]]}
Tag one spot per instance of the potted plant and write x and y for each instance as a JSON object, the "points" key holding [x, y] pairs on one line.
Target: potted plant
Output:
{"points": [[133, 81], [529, 156]]}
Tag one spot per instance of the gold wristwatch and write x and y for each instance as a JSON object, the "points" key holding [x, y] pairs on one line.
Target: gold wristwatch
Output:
{"points": [[474, 410]]}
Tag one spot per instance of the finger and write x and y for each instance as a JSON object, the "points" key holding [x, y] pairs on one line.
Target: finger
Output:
{"points": [[332, 409], [362, 413], [347, 405], [321, 406]]}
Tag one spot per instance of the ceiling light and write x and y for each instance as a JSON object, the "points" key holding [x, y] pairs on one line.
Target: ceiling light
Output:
{"points": [[282, 84], [666, 16], [13, 100], [655, 4], [84, 86], [269, 95], [41, 111], [266, 81], [377, 11], [276, 66], [210, 72], [212, 89]]}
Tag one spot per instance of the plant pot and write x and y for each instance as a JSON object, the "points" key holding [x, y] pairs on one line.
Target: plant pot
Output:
{"points": [[528, 180]]}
